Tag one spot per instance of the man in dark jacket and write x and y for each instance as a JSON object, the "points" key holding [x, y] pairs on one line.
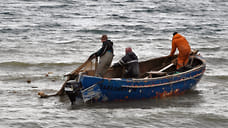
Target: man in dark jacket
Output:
{"points": [[130, 62], [106, 55]]}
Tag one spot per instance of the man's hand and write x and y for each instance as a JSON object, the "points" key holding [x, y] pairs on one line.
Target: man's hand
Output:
{"points": [[92, 56], [115, 65], [174, 61]]}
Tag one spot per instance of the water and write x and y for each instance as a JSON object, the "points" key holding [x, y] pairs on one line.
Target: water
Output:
{"points": [[56, 36]]}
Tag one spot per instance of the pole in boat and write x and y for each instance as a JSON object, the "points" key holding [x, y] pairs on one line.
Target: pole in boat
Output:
{"points": [[166, 67], [69, 76]]}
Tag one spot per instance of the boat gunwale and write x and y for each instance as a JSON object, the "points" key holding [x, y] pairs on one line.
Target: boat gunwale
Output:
{"points": [[162, 84], [156, 78]]}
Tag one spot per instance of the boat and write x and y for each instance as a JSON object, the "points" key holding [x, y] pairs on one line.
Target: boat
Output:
{"points": [[158, 78]]}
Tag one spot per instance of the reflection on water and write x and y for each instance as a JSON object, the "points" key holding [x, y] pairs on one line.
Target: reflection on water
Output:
{"points": [[189, 99]]}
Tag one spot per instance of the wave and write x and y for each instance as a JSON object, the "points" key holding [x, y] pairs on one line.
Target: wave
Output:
{"points": [[15, 30], [215, 62], [31, 77], [8, 13], [97, 31], [48, 25], [24, 64], [216, 59], [116, 16], [212, 48], [221, 77], [53, 6]]}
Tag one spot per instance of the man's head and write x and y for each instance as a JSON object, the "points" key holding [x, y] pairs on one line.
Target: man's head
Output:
{"points": [[127, 50], [104, 38], [174, 33]]}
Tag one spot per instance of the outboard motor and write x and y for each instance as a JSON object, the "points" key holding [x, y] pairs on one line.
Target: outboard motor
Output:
{"points": [[72, 89]]}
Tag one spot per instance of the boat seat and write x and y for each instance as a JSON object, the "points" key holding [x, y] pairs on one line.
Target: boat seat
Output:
{"points": [[152, 74]]}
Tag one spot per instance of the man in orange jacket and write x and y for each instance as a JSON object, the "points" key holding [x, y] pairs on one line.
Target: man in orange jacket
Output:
{"points": [[184, 49]]}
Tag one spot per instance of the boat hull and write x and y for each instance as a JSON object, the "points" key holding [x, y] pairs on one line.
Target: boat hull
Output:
{"points": [[107, 89], [100, 89]]}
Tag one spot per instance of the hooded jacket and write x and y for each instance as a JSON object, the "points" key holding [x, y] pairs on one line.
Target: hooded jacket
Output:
{"points": [[179, 42], [130, 62], [182, 44]]}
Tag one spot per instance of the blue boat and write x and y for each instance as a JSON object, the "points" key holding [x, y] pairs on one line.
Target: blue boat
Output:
{"points": [[156, 80]]}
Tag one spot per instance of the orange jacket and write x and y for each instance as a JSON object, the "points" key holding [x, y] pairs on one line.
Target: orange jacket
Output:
{"points": [[184, 49]]}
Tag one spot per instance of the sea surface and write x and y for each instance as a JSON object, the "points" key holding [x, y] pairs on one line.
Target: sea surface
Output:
{"points": [[41, 40]]}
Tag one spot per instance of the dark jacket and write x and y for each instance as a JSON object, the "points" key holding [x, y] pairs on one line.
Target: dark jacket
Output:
{"points": [[130, 62], [107, 46]]}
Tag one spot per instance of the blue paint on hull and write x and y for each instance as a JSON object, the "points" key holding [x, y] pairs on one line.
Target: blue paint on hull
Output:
{"points": [[115, 89]]}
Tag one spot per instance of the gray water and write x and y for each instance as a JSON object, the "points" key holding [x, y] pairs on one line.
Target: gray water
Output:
{"points": [[56, 36]]}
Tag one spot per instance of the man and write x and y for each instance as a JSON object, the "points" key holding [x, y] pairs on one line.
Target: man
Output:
{"points": [[130, 62], [106, 55], [184, 49]]}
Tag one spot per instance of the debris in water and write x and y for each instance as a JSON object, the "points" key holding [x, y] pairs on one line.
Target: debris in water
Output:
{"points": [[29, 81]]}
